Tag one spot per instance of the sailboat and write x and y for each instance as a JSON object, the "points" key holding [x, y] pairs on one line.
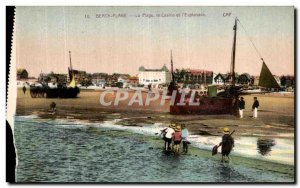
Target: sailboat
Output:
{"points": [[225, 102], [66, 91]]}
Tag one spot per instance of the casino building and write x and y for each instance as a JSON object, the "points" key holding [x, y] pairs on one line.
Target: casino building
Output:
{"points": [[154, 77]]}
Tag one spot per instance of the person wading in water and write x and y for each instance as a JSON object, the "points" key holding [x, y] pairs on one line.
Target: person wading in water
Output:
{"points": [[177, 139], [167, 135], [227, 143], [184, 135]]}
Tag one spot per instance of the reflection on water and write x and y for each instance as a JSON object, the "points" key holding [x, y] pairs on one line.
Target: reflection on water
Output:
{"points": [[48, 152], [264, 145], [227, 172]]}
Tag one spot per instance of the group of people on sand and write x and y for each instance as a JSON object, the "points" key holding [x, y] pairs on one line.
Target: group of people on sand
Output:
{"points": [[255, 106], [173, 136]]}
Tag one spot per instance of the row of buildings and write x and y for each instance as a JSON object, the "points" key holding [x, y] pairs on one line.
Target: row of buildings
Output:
{"points": [[197, 77], [191, 78]]}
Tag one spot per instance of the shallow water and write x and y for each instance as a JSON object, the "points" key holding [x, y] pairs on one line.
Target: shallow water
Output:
{"points": [[49, 151]]}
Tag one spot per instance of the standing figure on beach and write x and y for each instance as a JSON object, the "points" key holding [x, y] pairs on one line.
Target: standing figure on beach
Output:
{"points": [[53, 107], [177, 139], [167, 135], [24, 90], [149, 87], [227, 143], [184, 136], [255, 107], [241, 106]]}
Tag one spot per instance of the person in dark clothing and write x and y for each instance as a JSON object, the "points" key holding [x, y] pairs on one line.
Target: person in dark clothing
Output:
{"points": [[241, 106], [53, 107], [24, 90], [149, 87], [255, 107], [227, 143]]}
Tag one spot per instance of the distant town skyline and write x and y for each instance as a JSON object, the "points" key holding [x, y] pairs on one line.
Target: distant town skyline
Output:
{"points": [[45, 35]]}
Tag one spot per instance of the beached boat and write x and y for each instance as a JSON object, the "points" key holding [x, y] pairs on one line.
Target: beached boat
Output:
{"points": [[225, 102], [66, 91]]}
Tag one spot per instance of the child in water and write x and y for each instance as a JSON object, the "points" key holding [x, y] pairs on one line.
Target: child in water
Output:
{"points": [[177, 139], [227, 143], [184, 135]]}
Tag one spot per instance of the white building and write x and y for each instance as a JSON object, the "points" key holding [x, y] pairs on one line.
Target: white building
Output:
{"points": [[219, 79], [154, 76], [99, 82]]}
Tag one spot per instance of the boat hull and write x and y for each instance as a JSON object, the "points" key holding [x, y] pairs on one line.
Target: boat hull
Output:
{"points": [[62, 92], [39, 92], [207, 106]]}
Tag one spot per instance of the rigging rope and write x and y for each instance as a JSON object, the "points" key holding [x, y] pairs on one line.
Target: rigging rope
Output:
{"points": [[251, 40]]}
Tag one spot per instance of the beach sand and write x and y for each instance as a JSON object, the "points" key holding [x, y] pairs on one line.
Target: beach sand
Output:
{"points": [[275, 114]]}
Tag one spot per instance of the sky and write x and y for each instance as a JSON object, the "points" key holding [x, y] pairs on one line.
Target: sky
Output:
{"points": [[45, 35]]}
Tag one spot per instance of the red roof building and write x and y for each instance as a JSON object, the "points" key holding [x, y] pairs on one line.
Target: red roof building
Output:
{"points": [[198, 76]]}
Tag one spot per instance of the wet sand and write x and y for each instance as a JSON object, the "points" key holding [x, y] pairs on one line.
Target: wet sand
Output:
{"points": [[275, 115]]}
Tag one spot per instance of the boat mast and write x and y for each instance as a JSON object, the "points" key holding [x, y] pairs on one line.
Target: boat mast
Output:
{"points": [[233, 53], [70, 61], [173, 79]]}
